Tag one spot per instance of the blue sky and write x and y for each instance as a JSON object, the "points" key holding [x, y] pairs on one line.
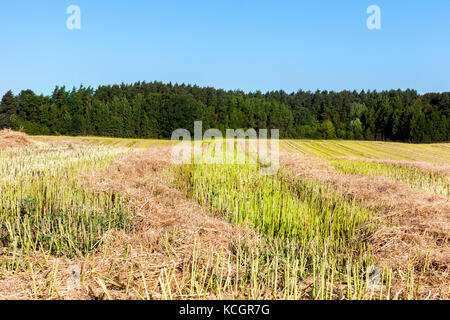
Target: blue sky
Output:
{"points": [[249, 45]]}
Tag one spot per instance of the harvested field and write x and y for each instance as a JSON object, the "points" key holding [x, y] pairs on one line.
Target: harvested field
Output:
{"points": [[414, 225], [433, 153], [104, 218]]}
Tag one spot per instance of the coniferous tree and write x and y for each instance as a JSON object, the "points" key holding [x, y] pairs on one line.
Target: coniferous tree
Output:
{"points": [[154, 110], [8, 107]]}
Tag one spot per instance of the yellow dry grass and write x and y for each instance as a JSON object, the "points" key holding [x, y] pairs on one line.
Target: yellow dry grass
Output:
{"points": [[414, 224], [153, 262], [439, 168], [9, 138], [173, 236]]}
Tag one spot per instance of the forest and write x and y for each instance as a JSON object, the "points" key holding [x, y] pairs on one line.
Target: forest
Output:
{"points": [[156, 109]]}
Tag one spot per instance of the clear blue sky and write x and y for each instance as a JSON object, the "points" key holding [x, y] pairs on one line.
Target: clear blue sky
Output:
{"points": [[249, 45]]}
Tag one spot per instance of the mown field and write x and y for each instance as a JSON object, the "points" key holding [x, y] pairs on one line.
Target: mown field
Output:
{"points": [[434, 153], [104, 218]]}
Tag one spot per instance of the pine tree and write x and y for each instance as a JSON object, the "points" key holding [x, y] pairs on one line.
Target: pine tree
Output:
{"points": [[8, 107]]}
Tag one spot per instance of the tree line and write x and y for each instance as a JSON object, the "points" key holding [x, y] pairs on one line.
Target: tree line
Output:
{"points": [[155, 110]]}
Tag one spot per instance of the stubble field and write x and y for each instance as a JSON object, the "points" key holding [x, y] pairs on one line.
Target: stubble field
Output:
{"points": [[104, 218]]}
